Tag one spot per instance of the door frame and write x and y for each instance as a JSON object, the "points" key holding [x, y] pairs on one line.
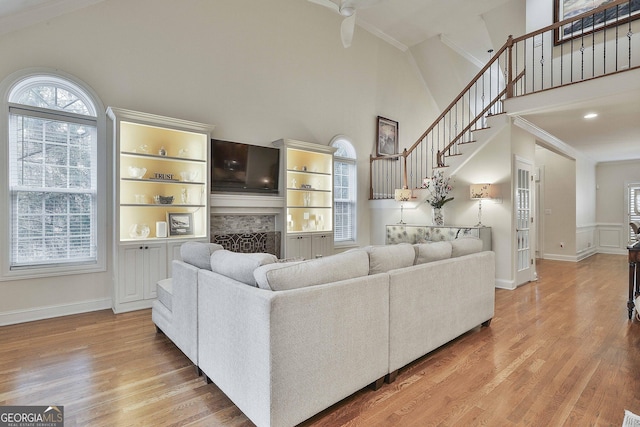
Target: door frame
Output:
{"points": [[532, 274]]}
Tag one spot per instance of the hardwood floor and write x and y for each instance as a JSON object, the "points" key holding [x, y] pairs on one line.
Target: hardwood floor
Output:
{"points": [[559, 351]]}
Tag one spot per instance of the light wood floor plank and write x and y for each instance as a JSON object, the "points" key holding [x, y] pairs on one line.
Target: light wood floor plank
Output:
{"points": [[560, 351]]}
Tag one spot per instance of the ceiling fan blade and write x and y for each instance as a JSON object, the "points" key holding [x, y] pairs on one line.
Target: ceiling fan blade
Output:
{"points": [[327, 3], [347, 28]]}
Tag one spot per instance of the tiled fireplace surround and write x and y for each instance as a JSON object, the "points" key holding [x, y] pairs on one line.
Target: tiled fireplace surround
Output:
{"points": [[247, 223]]}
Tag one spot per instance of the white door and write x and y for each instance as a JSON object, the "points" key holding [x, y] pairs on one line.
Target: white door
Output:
{"points": [[523, 214]]}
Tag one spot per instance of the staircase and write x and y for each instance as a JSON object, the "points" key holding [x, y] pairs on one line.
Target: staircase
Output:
{"points": [[591, 45]]}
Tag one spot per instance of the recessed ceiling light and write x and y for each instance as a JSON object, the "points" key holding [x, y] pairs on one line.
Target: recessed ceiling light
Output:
{"points": [[591, 115]]}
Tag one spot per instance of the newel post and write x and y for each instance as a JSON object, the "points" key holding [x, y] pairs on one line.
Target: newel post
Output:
{"points": [[510, 67], [404, 175], [370, 177]]}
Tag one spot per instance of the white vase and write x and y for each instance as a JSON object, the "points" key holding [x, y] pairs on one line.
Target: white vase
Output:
{"points": [[437, 216]]}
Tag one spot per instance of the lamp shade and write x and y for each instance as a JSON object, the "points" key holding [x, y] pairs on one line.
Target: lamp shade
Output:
{"points": [[480, 191], [403, 195]]}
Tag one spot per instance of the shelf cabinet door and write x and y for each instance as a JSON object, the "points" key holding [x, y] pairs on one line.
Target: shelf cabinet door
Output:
{"points": [[141, 266], [322, 244], [299, 246], [131, 272]]}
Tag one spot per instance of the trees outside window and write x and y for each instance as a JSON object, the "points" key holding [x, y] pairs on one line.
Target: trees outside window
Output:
{"points": [[344, 190], [53, 178]]}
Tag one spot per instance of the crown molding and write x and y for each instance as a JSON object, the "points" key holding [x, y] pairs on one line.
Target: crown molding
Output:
{"points": [[41, 12]]}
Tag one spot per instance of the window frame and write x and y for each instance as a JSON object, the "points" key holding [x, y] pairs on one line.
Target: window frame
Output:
{"points": [[631, 190], [353, 189], [7, 86]]}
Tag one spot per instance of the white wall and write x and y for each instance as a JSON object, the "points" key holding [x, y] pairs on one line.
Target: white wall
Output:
{"points": [[611, 215], [558, 205], [258, 70]]}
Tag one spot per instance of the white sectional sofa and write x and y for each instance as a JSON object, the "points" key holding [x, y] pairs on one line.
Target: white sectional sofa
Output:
{"points": [[286, 340]]}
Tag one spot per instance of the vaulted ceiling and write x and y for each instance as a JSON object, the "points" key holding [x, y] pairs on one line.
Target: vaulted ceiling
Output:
{"points": [[466, 30]]}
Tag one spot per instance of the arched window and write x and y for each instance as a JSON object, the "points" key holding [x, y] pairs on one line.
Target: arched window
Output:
{"points": [[53, 175], [344, 190]]}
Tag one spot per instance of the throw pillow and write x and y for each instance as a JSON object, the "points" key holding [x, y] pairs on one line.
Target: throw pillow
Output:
{"points": [[292, 275], [239, 266], [390, 257], [198, 254], [465, 246], [429, 252]]}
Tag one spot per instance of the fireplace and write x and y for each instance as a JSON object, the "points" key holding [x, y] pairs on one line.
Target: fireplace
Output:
{"points": [[247, 223], [246, 233]]}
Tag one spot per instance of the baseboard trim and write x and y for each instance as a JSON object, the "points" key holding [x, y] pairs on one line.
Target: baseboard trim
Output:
{"points": [[586, 254], [505, 284], [612, 251], [558, 257], [40, 313]]}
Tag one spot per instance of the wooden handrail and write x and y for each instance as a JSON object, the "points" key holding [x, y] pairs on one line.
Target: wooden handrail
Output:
{"points": [[509, 91], [572, 19], [440, 153], [509, 43], [459, 97]]}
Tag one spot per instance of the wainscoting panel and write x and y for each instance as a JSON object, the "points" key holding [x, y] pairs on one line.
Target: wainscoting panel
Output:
{"points": [[612, 239]]}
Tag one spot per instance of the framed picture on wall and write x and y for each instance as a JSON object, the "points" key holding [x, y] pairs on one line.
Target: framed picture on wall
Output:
{"points": [[565, 9], [180, 223], [386, 137]]}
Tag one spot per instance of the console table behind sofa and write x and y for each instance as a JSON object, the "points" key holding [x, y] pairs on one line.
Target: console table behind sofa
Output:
{"points": [[402, 233]]}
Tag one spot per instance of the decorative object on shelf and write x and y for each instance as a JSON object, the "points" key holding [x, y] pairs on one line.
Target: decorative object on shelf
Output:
{"points": [[306, 186], [139, 231], [306, 199], [136, 172], [289, 222], [180, 224], [386, 137], [163, 176], [437, 216], [304, 168], [163, 200], [479, 192], [141, 199], [162, 151], [189, 176], [294, 183], [142, 149], [402, 195], [439, 188], [184, 196], [183, 152], [161, 229]]}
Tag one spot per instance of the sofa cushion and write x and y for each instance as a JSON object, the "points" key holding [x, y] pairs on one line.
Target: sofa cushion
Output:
{"points": [[164, 289], [390, 257], [239, 266], [465, 246], [284, 276], [198, 254], [429, 252]]}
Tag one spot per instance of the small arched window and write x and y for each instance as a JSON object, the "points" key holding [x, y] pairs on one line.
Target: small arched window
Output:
{"points": [[344, 190], [53, 175]]}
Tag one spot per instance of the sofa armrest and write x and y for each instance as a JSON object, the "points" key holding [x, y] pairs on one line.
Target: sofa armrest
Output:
{"points": [[433, 303], [284, 356], [184, 311]]}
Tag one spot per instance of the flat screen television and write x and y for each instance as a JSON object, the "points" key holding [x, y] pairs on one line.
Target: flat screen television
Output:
{"points": [[238, 167]]}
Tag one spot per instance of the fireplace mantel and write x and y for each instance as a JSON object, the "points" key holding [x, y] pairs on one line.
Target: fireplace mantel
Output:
{"points": [[246, 204]]}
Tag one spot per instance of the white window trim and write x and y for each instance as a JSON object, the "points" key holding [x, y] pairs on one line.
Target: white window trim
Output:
{"points": [[349, 243], [104, 161], [630, 211]]}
